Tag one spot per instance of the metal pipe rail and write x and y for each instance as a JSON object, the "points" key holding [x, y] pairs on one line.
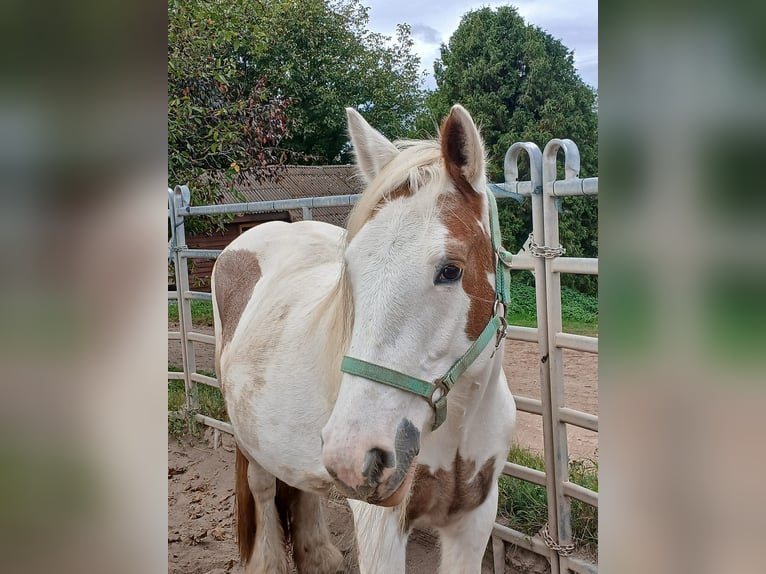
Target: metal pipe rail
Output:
{"points": [[514, 187], [528, 334], [581, 493], [522, 261], [198, 296], [200, 253], [215, 423], [527, 405], [575, 186], [524, 473], [266, 206], [576, 342], [532, 543], [578, 265], [201, 337], [579, 419], [205, 380]]}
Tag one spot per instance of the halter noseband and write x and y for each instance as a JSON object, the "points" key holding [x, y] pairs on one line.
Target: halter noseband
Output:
{"points": [[435, 393]]}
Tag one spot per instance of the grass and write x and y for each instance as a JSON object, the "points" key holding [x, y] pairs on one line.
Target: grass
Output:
{"points": [[524, 505], [202, 312], [210, 404], [579, 312]]}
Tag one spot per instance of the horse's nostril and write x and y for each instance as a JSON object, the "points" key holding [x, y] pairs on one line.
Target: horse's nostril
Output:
{"points": [[375, 461]]}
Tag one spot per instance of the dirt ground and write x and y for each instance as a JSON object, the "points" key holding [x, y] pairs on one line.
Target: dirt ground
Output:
{"points": [[201, 478]]}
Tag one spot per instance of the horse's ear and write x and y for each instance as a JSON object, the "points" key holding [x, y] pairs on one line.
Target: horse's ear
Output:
{"points": [[462, 148], [372, 150]]}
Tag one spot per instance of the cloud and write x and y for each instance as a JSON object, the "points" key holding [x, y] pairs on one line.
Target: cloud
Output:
{"points": [[426, 34]]}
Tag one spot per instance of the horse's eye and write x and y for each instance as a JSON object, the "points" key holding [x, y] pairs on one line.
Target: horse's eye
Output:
{"points": [[449, 274]]}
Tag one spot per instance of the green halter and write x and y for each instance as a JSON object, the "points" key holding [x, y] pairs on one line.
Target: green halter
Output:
{"points": [[495, 328]]}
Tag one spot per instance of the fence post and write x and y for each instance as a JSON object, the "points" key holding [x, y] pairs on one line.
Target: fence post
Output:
{"points": [[561, 531], [538, 234], [181, 198]]}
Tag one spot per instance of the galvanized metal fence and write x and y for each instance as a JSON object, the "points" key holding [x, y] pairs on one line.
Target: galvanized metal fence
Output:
{"points": [[542, 255]]}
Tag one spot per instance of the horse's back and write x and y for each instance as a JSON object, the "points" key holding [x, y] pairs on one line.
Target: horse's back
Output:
{"points": [[277, 244], [267, 285]]}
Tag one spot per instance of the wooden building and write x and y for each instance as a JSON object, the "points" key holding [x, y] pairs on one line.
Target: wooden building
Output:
{"points": [[296, 182]]}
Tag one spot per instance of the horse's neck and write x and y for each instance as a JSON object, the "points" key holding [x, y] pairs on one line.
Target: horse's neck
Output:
{"points": [[475, 404]]}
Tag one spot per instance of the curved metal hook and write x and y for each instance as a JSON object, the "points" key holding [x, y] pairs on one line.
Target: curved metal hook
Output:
{"points": [[182, 191], [511, 166], [571, 159]]}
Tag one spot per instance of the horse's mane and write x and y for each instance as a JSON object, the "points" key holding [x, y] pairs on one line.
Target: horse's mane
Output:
{"points": [[416, 166]]}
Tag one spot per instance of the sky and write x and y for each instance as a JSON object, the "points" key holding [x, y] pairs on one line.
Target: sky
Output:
{"points": [[574, 22]]}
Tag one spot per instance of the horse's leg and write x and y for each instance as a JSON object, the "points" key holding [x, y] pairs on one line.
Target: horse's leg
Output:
{"points": [[268, 555], [380, 540], [313, 549], [464, 542]]}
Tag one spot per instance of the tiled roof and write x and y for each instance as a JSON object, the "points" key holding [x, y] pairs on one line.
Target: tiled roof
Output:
{"points": [[298, 181]]}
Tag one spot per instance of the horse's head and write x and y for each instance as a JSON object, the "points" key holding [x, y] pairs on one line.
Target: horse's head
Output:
{"points": [[420, 268]]}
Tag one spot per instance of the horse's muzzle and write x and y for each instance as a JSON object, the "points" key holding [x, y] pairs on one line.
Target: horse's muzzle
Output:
{"points": [[381, 475]]}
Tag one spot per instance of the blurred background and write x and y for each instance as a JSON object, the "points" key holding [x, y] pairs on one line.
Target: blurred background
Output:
{"points": [[683, 286]]}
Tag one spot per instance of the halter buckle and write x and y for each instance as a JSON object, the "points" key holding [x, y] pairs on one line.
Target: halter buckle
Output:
{"points": [[439, 405], [501, 331], [439, 384]]}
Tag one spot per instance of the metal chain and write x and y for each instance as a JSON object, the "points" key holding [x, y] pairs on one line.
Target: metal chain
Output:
{"points": [[537, 250], [561, 549]]}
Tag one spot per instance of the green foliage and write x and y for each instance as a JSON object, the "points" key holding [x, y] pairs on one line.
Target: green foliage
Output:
{"points": [[211, 404], [252, 86], [579, 311], [223, 116], [525, 506], [321, 54], [201, 311], [520, 84], [584, 516]]}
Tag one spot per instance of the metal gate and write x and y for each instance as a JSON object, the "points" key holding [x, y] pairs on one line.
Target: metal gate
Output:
{"points": [[542, 255]]}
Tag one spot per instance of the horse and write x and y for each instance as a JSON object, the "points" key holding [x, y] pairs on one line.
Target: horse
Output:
{"points": [[368, 362]]}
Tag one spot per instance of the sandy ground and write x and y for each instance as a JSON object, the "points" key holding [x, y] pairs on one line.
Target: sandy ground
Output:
{"points": [[201, 478]]}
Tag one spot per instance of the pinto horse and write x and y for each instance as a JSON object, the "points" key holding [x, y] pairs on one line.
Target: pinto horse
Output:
{"points": [[331, 350]]}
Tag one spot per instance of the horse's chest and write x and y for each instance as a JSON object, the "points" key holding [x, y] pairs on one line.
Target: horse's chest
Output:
{"points": [[440, 497]]}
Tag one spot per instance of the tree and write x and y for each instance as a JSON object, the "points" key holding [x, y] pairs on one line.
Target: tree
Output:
{"points": [[520, 84], [253, 85], [321, 55], [222, 115]]}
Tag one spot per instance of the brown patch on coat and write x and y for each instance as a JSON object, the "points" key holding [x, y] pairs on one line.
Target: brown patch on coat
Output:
{"points": [[445, 494], [461, 214], [236, 273]]}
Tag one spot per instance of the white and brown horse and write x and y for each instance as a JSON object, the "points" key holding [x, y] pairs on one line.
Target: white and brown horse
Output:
{"points": [[410, 286]]}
